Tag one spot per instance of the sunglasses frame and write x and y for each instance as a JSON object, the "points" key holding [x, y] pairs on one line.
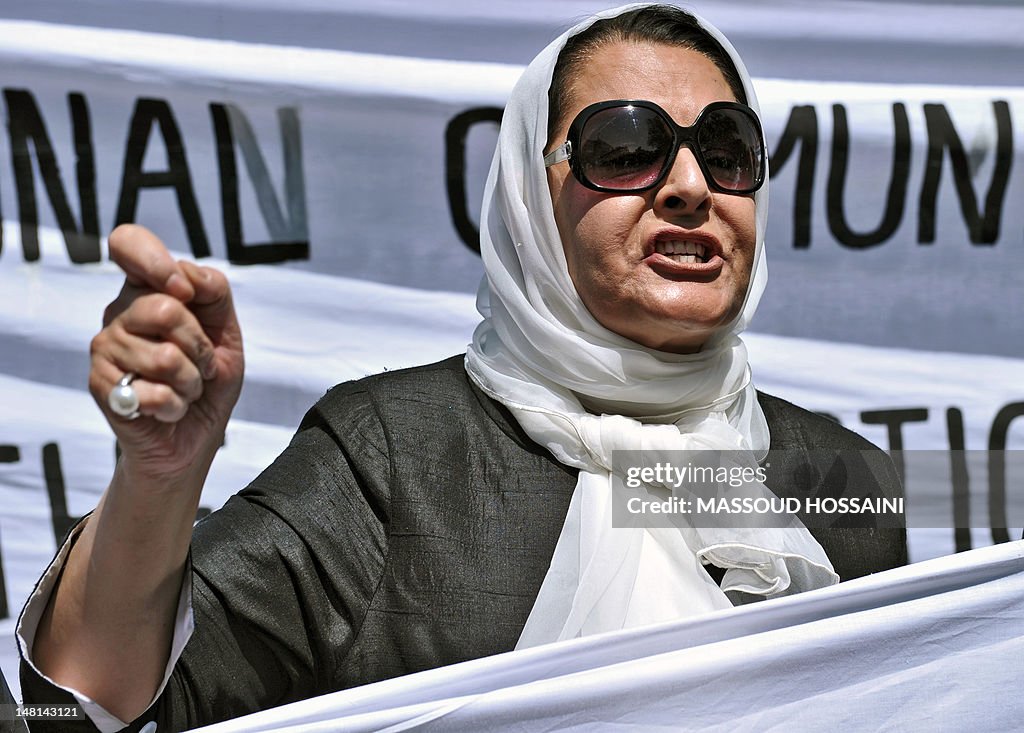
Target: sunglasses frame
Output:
{"points": [[681, 136]]}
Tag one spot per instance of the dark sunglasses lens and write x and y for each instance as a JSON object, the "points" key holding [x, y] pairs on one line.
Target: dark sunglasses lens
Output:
{"points": [[624, 148], [730, 143]]}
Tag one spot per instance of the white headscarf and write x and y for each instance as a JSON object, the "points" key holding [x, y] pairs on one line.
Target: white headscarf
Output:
{"points": [[539, 351]]}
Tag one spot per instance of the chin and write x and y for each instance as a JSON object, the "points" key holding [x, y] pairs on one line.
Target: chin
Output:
{"points": [[685, 333], [675, 340]]}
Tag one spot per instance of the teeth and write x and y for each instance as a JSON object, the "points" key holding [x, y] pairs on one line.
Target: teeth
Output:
{"points": [[681, 251]]}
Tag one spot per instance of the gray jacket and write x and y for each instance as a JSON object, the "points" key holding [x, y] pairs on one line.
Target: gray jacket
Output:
{"points": [[409, 525]]}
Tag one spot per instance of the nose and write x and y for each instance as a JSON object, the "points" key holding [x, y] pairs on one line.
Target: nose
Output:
{"points": [[684, 191]]}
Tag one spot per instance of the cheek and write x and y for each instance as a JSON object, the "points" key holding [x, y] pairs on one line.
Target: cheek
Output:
{"points": [[600, 225], [745, 233], [740, 216], [564, 210], [578, 219], [600, 250]]}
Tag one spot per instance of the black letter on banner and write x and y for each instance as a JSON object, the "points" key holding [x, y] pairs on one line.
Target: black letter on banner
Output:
{"points": [[54, 476], [897, 195], [801, 127], [8, 454], [893, 420], [455, 169], [997, 469], [147, 112], [983, 228], [290, 236], [961, 481], [25, 123]]}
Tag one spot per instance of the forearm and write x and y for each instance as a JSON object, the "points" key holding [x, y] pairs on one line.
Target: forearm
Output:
{"points": [[108, 627], [171, 339]]}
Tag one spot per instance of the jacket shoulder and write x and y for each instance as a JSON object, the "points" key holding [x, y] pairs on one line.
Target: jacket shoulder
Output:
{"points": [[446, 377], [793, 426]]}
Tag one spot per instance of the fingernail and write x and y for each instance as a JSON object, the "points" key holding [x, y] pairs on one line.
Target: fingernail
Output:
{"points": [[210, 370]]}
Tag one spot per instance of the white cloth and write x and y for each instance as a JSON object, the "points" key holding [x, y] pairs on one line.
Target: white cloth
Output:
{"points": [[184, 624], [542, 354], [931, 647]]}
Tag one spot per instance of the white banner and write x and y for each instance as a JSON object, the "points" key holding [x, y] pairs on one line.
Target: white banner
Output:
{"points": [[891, 219], [344, 146], [823, 660]]}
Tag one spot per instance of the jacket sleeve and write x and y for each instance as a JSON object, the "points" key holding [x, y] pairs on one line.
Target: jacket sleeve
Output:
{"points": [[282, 575]]}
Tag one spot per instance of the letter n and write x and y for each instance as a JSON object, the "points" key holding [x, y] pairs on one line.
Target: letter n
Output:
{"points": [[802, 128], [290, 234], [982, 226], [25, 124], [150, 112]]}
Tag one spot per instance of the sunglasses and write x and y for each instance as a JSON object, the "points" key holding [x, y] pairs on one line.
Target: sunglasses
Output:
{"points": [[627, 146]]}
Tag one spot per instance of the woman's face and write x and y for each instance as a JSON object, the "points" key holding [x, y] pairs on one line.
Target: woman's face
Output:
{"points": [[618, 246]]}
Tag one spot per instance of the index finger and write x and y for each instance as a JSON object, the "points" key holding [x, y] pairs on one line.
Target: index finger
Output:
{"points": [[212, 303], [147, 263]]}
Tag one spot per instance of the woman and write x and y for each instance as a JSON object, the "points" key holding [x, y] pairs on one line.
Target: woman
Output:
{"points": [[461, 509]]}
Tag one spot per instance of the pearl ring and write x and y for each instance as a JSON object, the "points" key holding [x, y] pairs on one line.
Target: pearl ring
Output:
{"points": [[123, 399]]}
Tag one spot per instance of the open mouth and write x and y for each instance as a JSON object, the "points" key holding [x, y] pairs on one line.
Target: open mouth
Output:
{"points": [[689, 253]]}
